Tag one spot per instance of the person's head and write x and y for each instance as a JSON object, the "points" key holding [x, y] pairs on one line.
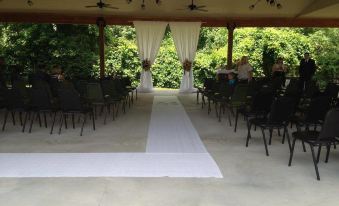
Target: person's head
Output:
{"points": [[244, 60], [307, 56], [280, 60]]}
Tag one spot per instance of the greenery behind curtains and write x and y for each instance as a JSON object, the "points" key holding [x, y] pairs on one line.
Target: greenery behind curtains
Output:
{"points": [[75, 48]]}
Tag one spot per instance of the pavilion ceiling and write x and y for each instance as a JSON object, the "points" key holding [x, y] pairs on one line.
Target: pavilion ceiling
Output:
{"points": [[220, 12]]}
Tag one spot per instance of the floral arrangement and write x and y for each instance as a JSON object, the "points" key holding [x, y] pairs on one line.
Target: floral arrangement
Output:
{"points": [[146, 65], [187, 65]]}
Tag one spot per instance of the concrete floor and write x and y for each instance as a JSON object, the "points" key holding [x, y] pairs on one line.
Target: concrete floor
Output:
{"points": [[250, 178]]}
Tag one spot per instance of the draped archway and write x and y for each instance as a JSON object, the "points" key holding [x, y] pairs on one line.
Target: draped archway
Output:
{"points": [[149, 37]]}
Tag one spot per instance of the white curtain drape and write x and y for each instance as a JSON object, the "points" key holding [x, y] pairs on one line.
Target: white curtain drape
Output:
{"points": [[186, 36], [149, 37]]}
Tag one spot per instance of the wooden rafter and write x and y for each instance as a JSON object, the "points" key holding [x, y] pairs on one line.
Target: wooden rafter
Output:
{"points": [[206, 21]]}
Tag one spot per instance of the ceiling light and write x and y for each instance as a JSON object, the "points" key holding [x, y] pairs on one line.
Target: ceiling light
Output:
{"points": [[30, 3], [272, 3]]}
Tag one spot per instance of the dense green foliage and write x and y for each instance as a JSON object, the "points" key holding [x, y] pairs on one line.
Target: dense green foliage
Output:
{"points": [[75, 48]]}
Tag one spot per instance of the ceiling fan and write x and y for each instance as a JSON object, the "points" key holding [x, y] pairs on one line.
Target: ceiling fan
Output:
{"points": [[102, 5], [194, 7]]}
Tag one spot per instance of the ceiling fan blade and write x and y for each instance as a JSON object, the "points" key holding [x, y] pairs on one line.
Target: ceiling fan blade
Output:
{"points": [[200, 7], [181, 9], [91, 6], [111, 7], [204, 10]]}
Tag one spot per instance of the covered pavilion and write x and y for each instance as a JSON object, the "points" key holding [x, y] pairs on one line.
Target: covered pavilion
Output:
{"points": [[247, 176]]}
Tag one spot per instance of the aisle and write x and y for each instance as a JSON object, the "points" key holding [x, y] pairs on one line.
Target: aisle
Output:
{"points": [[171, 130], [174, 149]]}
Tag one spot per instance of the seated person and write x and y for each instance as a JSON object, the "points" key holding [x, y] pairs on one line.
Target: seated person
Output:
{"points": [[232, 81], [221, 73]]}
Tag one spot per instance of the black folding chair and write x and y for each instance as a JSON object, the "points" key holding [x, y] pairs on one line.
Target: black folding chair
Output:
{"points": [[326, 137], [70, 104], [278, 118], [259, 106], [41, 102]]}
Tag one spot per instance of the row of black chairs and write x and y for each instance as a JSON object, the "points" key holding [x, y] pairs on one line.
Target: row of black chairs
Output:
{"points": [[270, 107], [79, 99]]}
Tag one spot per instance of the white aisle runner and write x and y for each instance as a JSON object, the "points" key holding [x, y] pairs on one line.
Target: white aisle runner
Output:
{"points": [[171, 130], [174, 149]]}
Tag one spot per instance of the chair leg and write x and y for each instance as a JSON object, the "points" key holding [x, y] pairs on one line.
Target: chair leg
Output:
{"points": [[283, 139], [220, 108], [25, 121], [5, 121], [73, 123], [288, 137], [32, 120], [107, 109], [20, 117], [319, 151], [61, 122], [236, 120], [229, 116], [264, 138], [65, 119], [83, 124], [39, 118], [93, 121], [54, 116], [45, 120], [328, 147], [13, 117], [270, 141], [292, 151], [113, 113], [315, 162], [303, 144], [249, 125]]}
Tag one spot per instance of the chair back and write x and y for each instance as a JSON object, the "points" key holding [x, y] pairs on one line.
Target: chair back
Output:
{"points": [[239, 95], [311, 89], [20, 86], [293, 89], [94, 92], [14, 99], [69, 99], [209, 84], [127, 81], [317, 109], [40, 99], [108, 88], [223, 89], [332, 90], [330, 129], [81, 86], [119, 86], [281, 111], [262, 101]]}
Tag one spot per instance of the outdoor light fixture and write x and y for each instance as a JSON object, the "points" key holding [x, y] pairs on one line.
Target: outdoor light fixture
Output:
{"points": [[272, 3], [30, 3]]}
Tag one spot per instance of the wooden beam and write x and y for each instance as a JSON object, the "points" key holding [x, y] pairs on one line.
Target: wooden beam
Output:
{"points": [[316, 5], [206, 21], [101, 24], [230, 29]]}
